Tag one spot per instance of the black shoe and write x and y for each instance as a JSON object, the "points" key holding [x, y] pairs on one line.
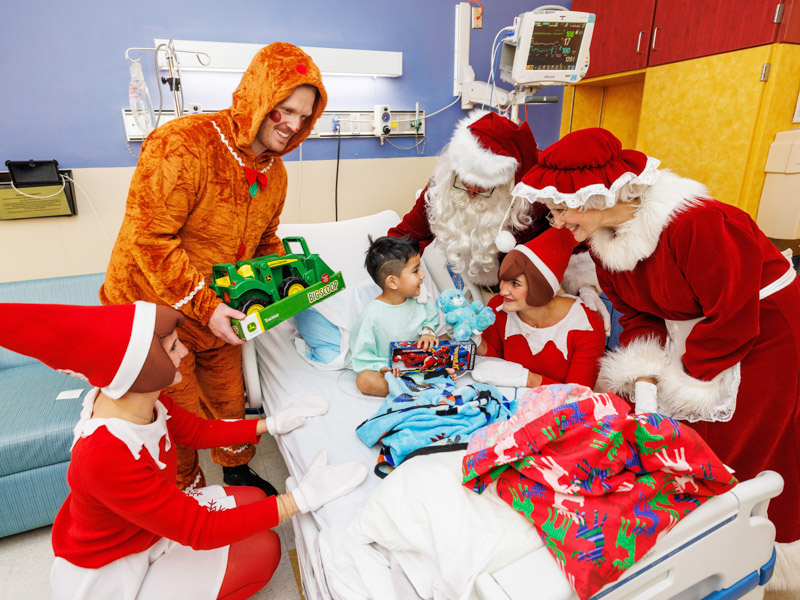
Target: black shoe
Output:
{"points": [[244, 475]]}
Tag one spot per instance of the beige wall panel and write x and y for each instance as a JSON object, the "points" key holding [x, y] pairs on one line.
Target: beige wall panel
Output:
{"points": [[698, 117], [366, 186], [777, 109], [621, 109], [59, 246]]}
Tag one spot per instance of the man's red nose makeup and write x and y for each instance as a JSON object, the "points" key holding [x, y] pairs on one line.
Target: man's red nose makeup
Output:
{"points": [[275, 115]]}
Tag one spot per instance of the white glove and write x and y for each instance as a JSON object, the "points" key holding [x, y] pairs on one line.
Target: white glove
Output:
{"points": [[497, 371], [646, 397], [591, 299], [290, 418], [323, 482]]}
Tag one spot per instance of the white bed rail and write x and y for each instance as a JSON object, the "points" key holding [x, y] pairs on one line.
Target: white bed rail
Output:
{"points": [[722, 545]]}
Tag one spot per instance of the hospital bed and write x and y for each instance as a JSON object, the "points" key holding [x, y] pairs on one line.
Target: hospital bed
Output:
{"points": [[724, 549]]}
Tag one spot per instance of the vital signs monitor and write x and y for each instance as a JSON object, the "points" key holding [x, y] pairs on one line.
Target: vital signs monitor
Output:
{"points": [[547, 48]]}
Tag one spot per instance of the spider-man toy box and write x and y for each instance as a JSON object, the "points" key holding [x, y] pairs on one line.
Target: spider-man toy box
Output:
{"points": [[406, 356]]}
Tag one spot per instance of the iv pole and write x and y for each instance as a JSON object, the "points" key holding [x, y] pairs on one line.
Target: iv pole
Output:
{"points": [[170, 54]]}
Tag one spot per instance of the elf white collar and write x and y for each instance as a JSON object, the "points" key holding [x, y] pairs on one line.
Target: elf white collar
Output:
{"points": [[132, 435], [537, 337]]}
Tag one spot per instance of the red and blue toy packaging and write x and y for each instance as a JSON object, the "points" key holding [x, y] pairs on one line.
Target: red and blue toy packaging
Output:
{"points": [[458, 355]]}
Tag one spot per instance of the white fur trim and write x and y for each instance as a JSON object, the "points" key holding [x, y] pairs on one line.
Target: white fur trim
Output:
{"points": [[621, 367], [622, 248], [786, 577], [475, 164], [581, 272], [681, 396], [541, 265], [144, 322], [505, 242], [579, 198]]}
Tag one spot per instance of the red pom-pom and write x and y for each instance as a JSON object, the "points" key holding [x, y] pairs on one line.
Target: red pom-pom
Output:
{"points": [[302, 69]]}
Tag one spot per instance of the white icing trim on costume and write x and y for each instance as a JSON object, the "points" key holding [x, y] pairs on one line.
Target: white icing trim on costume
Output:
{"points": [[577, 199], [188, 298], [241, 449], [134, 436], [540, 264], [235, 155], [537, 337], [144, 321]]}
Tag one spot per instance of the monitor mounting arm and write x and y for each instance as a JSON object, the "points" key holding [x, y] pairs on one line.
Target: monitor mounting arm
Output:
{"points": [[478, 92]]}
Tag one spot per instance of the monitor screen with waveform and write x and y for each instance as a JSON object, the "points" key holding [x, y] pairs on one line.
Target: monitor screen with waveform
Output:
{"points": [[555, 46]]}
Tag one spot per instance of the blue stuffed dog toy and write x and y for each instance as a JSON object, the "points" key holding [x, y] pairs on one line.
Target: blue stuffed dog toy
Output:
{"points": [[465, 320]]}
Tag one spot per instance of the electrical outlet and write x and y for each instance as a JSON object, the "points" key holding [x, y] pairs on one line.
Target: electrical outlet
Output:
{"points": [[477, 17], [195, 108]]}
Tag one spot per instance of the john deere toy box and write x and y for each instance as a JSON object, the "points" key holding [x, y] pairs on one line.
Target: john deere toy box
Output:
{"points": [[405, 356], [271, 289]]}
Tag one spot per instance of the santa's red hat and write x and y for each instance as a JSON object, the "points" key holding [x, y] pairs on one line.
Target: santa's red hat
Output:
{"points": [[543, 261], [115, 348], [488, 150], [584, 164]]}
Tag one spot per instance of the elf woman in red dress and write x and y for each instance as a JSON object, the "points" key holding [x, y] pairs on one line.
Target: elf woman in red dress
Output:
{"points": [[542, 337], [125, 530]]}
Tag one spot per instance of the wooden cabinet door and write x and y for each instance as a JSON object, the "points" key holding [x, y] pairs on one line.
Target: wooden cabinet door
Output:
{"points": [[685, 29], [789, 29], [621, 34]]}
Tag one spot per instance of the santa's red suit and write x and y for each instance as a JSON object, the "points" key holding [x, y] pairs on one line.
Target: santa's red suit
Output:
{"points": [[567, 352], [683, 258]]}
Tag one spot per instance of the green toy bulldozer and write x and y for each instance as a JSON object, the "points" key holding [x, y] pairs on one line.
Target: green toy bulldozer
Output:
{"points": [[271, 287]]}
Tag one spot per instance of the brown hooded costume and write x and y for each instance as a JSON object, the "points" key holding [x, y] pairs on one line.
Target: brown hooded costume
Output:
{"points": [[190, 207]]}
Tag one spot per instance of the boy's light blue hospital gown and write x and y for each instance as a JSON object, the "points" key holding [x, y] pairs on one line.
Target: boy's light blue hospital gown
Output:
{"points": [[381, 323]]}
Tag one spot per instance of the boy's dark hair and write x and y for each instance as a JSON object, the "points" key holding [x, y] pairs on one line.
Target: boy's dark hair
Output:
{"points": [[388, 255]]}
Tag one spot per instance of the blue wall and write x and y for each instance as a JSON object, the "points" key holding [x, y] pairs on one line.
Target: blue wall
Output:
{"points": [[65, 78]]}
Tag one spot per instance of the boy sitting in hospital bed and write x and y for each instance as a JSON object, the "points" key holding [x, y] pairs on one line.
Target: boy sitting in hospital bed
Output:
{"points": [[396, 314]]}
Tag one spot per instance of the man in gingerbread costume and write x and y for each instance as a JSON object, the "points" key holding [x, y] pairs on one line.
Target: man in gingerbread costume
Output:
{"points": [[469, 208], [210, 189]]}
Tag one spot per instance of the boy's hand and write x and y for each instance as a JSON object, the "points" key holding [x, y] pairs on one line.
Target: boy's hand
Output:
{"points": [[427, 341], [395, 371]]}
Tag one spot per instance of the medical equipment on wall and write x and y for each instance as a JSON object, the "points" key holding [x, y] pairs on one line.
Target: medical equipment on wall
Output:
{"points": [[546, 46], [141, 107], [138, 89]]}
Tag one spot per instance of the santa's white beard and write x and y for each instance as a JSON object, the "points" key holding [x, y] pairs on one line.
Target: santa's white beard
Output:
{"points": [[465, 228]]}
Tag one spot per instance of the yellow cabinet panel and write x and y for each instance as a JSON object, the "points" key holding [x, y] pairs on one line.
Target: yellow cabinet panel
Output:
{"points": [[775, 115], [699, 117]]}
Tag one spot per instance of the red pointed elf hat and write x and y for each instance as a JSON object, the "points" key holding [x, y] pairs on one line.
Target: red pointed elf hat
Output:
{"points": [[584, 164], [115, 348], [543, 261], [488, 150]]}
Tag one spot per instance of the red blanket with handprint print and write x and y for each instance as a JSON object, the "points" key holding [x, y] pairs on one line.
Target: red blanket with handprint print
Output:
{"points": [[600, 484]]}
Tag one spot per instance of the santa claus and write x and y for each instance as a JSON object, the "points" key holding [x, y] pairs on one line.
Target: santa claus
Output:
{"points": [[468, 206], [466, 200]]}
